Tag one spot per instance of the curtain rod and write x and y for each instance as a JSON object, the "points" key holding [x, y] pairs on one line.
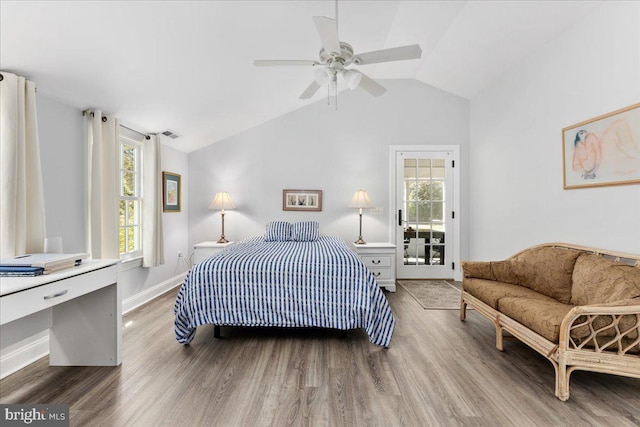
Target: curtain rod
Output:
{"points": [[104, 119], [139, 133]]}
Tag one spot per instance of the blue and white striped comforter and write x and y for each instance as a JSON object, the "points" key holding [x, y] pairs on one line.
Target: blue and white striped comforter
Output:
{"points": [[291, 284]]}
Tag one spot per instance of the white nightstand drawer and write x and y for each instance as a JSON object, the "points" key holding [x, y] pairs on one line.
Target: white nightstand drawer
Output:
{"points": [[381, 273], [373, 261]]}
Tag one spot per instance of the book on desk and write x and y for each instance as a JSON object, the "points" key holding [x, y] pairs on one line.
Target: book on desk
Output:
{"points": [[37, 264]]}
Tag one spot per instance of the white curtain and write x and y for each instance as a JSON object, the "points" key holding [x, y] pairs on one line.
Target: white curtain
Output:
{"points": [[102, 224], [22, 221], [152, 236]]}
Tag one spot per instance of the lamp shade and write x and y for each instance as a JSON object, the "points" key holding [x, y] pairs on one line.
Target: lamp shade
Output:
{"points": [[222, 201], [352, 78], [360, 200]]}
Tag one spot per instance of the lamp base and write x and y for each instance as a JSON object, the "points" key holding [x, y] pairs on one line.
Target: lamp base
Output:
{"points": [[222, 240], [360, 241]]}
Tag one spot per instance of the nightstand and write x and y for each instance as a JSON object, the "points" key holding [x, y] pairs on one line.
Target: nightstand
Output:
{"points": [[380, 259], [204, 250]]}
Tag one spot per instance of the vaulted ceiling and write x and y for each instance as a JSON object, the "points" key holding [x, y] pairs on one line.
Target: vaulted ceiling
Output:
{"points": [[187, 65]]}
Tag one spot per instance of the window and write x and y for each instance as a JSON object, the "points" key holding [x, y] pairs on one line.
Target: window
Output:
{"points": [[130, 194]]}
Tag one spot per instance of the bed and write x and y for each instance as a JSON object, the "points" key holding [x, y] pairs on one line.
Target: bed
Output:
{"points": [[256, 282]]}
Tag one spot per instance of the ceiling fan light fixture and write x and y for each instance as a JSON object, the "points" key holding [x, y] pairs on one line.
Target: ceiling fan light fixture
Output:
{"points": [[321, 76], [352, 78]]}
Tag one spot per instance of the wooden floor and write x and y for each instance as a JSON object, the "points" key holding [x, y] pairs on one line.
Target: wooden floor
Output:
{"points": [[438, 372]]}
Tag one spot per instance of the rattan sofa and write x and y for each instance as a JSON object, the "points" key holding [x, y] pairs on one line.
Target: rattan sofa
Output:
{"points": [[577, 306]]}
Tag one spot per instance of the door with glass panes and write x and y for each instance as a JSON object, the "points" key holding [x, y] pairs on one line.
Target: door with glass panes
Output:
{"points": [[424, 196]]}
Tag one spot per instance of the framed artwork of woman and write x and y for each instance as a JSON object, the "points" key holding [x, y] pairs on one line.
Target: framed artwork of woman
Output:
{"points": [[603, 151]]}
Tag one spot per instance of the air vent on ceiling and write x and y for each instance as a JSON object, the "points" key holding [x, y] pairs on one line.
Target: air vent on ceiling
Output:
{"points": [[171, 134]]}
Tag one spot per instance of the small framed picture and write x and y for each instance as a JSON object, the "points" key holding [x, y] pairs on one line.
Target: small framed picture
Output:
{"points": [[301, 200], [171, 192]]}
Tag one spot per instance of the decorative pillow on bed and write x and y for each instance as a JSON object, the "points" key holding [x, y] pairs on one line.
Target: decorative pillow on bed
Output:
{"points": [[306, 231], [278, 231]]}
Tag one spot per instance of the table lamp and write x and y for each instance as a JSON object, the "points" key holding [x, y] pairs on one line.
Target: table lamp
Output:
{"points": [[360, 200], [222, 201]]}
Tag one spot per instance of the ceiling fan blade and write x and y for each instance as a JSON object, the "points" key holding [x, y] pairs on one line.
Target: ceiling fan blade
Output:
{"points": [[310, 91], [279, 62], [371, 86], [328, 31], [386, 55]]}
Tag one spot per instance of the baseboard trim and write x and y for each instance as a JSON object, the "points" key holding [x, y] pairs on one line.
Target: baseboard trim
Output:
{"points": [[33, 348], [37, 346], [153, 292]]}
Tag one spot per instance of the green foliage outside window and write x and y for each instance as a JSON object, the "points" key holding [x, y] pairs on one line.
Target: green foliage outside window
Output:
{"points": [[129, 199], [424, 200]]}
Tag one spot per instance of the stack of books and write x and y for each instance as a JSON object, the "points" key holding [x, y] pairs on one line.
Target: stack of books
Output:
{"points": [[37, 264]]}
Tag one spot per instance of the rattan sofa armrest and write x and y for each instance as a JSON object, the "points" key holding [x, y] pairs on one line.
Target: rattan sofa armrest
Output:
{"points": [[583, 318]]}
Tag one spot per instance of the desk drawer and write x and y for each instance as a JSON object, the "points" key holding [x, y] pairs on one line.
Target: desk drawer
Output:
{"points": [[29, 301], [373, 261]]}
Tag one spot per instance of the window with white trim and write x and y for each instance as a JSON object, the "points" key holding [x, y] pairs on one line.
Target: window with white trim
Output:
{"points": [[130, 195]]}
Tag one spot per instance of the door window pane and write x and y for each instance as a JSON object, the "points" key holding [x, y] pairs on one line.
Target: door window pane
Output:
{"points": [[437, 211], [424, 203]]}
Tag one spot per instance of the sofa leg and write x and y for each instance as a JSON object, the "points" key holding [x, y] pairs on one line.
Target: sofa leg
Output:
{"points": [[463, 310], [499, 337], [562, 382]]}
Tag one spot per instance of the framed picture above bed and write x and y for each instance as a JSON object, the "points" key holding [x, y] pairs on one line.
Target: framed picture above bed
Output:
{"points": [[302, 200], [171, 192]]}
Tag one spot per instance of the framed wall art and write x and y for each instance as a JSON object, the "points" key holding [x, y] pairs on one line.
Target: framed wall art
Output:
{"points": [[603, 151], [171, 192], [301, 200]]}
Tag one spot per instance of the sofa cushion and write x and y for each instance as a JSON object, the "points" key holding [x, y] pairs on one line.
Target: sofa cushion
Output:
{"points": [[477, 269], [599, 280], [503, 271], [547, 270], [490, 292], [543, 316]]}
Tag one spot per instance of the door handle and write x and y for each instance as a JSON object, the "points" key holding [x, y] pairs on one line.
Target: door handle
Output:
{"points": [[400, 217]]}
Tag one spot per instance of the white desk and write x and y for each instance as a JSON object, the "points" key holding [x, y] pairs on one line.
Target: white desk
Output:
{"points": [[86, 308]]}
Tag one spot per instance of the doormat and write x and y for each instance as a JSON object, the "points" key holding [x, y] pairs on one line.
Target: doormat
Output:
{"points": [[433, 294]]}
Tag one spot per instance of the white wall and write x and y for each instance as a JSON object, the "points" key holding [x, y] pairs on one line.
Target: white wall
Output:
{"points": [[62, 133], [516, 194], [319, 148], [62, 145]]}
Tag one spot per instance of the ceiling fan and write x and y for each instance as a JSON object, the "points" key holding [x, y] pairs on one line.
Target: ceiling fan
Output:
{"points": [[335, 56]]}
